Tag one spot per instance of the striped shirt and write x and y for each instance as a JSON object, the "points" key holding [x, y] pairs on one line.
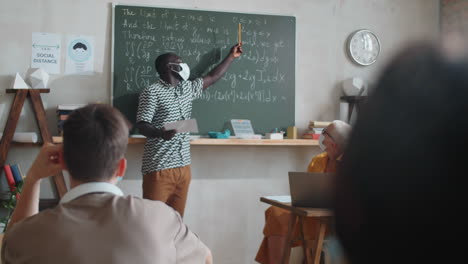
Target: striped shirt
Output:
{"points": [[159, 104]]}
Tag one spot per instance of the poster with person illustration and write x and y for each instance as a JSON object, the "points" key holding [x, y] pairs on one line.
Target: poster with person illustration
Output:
{"points": [[80, 54]]}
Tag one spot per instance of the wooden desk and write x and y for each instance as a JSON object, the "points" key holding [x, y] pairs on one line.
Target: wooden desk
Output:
{"points": [[323, 215]]}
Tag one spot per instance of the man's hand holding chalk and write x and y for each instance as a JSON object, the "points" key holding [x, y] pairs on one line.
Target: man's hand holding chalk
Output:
{"points": [[236, 50]]}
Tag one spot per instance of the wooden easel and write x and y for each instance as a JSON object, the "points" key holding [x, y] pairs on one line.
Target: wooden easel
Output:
{"points": [[12, 122]]}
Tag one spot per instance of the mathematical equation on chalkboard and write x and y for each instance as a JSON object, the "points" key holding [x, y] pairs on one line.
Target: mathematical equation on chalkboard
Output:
{"points": [[258, 86], [145, 33]]}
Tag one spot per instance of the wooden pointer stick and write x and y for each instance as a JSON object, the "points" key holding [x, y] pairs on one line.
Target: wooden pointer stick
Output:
{"points": [[239, 34]]}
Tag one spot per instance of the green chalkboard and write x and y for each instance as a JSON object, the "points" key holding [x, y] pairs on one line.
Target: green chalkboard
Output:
{"points": [[258, 86]]}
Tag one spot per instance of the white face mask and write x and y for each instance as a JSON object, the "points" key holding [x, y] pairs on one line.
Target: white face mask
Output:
{"points": [[184, 73], [322, 146]]}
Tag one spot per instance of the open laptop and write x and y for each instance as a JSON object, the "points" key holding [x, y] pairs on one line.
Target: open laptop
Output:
{"points": [[310, 189]]}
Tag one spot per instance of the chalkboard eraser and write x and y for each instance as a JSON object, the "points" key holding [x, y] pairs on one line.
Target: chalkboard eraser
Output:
{"points": [[274, 135]]}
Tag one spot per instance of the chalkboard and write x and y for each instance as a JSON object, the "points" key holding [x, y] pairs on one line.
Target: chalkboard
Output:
{"points": [[258, 86]]}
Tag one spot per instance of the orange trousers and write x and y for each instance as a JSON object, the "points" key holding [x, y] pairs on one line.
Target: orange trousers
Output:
{"points": [[276, 224], [169, 186]]}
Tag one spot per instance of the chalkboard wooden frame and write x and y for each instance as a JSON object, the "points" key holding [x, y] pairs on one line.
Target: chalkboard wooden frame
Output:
{"points": [[260, 86]]}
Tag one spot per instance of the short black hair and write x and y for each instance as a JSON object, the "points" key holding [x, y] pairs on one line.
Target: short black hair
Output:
{"points": [[95, 138], [80, 45], [161, 61]]}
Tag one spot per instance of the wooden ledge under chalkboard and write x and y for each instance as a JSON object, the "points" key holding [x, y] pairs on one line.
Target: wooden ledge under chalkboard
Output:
{"points": [[231, 142]]}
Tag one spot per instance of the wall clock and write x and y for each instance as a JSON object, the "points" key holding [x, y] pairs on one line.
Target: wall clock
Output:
{"points": [[363, 47]]}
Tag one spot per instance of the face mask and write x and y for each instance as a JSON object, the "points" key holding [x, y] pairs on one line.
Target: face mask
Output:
{"points": [[322, 146], [184, 73]]}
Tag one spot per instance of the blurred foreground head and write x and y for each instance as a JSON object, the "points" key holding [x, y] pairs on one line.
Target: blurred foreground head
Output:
{"points": [[398, 195]]}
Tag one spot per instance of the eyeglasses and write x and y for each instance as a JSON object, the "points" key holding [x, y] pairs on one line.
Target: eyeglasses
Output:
{"points": [[325, 133]]}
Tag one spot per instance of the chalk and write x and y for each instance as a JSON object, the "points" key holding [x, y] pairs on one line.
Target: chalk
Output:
{"points": [[239, 34]]}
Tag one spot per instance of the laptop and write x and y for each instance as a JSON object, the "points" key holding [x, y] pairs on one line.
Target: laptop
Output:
{"points": [[309, 189]]}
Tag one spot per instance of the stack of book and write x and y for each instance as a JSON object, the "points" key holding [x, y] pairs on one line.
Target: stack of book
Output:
{"points": [[63, 111], [14, 177], [315, 129]]}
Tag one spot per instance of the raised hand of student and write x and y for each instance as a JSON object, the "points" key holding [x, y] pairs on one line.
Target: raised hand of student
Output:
{"points": [[48, 162]]}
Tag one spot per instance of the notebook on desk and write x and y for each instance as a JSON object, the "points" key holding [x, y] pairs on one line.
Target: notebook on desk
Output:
{"points": [[310, 189]]}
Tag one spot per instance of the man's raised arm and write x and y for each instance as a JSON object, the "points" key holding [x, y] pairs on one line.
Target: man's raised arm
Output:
{"points": [[218, 72]]}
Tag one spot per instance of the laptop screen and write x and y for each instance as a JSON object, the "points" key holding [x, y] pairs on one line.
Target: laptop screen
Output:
{"points": [[310, 189]]}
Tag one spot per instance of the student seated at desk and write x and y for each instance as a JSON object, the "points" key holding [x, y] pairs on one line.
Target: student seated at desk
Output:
{"points": [[94, 222], [332, 141]]}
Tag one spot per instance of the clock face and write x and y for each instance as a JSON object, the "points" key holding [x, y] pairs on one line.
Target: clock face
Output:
{"points": [[363, 47]]}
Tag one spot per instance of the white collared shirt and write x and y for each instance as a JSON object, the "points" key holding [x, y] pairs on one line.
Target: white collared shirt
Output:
{"points": [[90, 187]]}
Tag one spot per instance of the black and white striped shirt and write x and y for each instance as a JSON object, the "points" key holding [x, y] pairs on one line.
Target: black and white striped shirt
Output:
{"points": [[159, 104]]}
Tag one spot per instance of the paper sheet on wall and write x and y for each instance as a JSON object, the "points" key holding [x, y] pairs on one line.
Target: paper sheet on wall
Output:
{"points": [[181, 126], [46, 51], [80, 55]]}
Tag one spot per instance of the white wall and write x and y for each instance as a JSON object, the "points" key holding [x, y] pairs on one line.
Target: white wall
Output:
{"points": [[223, 205], [453, 17]]}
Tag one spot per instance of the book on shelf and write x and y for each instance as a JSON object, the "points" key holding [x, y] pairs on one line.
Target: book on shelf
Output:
{"points": [[60, 122], [16, 174], [63, 117], [63, 111], [311, 136], [321, 124], [9, 177], [69, 107], [4, 187], [21, 172]]}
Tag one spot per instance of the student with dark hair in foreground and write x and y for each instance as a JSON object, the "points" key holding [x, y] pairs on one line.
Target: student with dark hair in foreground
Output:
{"points": [[94, 222], [398, 196]]}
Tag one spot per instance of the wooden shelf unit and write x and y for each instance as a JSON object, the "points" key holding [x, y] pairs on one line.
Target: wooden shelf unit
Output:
{"points": [[229, 142], [12, 122]]}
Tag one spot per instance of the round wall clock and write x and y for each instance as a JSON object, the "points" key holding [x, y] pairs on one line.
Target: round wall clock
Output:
{"points": [[363, 47]]}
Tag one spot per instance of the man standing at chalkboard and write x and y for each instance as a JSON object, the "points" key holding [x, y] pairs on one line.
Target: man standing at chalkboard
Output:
{"points": [[166, 158]]}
